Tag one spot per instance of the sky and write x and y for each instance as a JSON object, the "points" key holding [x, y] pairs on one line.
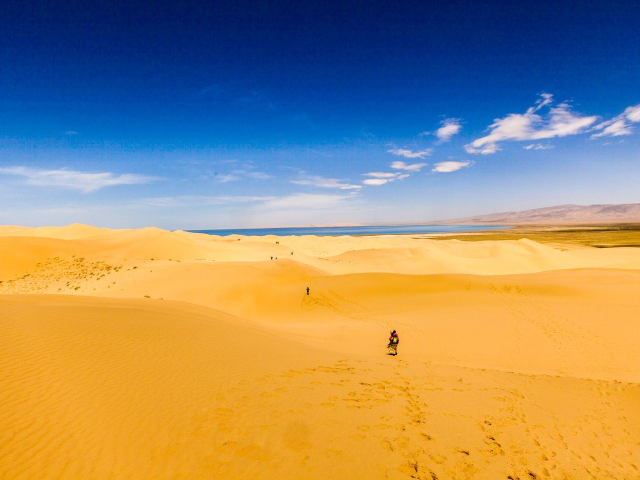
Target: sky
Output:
{"points": [[197, 115]]}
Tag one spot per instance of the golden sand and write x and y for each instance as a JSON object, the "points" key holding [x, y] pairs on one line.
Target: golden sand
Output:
{"points": [[155, 354]]}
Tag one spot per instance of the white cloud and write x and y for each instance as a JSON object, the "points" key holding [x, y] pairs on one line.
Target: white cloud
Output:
{"points": [[613, 128], [633, 113], [538, 146], [448, 167], [544, 100], [402, 152], [484, 150], [559, 122], [376, 181], [449, 128], [619, 125], [71, 132], [74, 180], [415, 167], [316, 181]]}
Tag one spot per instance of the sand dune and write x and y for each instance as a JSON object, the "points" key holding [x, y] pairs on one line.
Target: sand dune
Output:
{"points": [[155, 354], [70, 232]]}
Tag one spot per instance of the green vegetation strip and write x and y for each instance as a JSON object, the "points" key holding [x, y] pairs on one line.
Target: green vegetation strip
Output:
{"points": [[593, 236]]}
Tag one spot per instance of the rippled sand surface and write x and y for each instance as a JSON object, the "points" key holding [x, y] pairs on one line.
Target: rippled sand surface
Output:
{"points": [[155, 354]]}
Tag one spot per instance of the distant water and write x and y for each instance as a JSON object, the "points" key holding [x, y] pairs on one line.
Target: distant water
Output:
{"points": [[366, 230]]}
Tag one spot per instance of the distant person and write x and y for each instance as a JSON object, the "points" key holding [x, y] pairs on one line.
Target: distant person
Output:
{"points": [[291, 253], [272, 258], [307, 291], [393, 343]]}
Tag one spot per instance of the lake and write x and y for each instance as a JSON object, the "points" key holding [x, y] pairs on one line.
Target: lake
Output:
{"points": [[363, 230]]}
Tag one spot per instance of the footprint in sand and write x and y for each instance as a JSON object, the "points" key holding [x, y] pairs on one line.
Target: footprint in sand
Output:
{"points": [[386, 444], [402, 442]]}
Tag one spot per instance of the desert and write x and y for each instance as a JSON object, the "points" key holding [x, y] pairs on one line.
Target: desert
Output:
{"points": [[264, 240], [156, 354]]}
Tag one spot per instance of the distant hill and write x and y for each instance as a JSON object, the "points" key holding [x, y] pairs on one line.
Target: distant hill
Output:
{"points": [[561, 214]]}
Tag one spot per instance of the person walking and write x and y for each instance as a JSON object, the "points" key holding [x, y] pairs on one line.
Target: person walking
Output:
{"points": [[307, 291], [393, 343]]}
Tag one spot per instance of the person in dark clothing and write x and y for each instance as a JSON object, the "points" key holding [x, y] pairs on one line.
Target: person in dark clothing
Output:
{"points": [[307, 290], [393, 343]]}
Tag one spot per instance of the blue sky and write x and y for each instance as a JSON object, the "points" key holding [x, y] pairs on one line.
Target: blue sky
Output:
{"points": [[130, 114]]}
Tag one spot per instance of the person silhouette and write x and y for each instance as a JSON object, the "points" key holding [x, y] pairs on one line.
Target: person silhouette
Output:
{"points": [[393, 343]]}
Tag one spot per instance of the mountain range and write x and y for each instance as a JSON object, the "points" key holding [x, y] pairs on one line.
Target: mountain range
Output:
{"points": [[560, 214]]}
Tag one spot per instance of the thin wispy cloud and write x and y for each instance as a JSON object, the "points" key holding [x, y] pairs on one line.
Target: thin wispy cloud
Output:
{"points": [[321, 182], [71, 132], [403, 152], [380, 178], [256, 175], [305, 201], [449, 128], [74, 180], [237, 175], [537, 146], [619, 125], [544, 100], [201, 200], [448, 167], [285, 202], [414, 167], [214, 90], [225, 177], [381, 174], [560, 121]]}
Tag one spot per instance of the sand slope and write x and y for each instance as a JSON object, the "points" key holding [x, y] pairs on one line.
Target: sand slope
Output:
{"points": [[152, 354], [70, 232]]}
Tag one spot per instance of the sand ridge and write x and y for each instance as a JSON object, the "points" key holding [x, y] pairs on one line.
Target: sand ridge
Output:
{"points": [[156, 354]]}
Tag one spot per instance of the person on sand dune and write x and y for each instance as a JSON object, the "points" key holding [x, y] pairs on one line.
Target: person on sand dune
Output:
{"points": [[393, 343]]}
